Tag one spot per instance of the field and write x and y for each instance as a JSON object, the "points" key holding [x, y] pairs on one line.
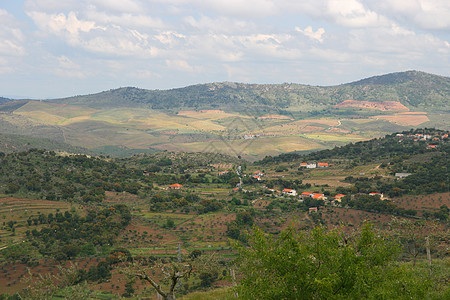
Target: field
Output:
{"points": [[19, 211], [210, 130]]}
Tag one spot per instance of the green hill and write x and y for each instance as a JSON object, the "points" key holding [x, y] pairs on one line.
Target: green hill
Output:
{"points": [[416, 90], [247, 120], [19, 143]]}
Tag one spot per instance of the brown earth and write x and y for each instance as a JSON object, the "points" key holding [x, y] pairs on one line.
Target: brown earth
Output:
{"points": [[278, 117], [422, 203], [379, 105], [404, 119]]}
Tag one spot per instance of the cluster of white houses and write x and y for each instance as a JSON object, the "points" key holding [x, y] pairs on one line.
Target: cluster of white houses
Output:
{"points": [[423, 137], [320, 196], [313, 165]]}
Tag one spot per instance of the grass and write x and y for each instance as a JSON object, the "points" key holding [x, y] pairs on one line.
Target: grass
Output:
{"points": [[215, 294]]}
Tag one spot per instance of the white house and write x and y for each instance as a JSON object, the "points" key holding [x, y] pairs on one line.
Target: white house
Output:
{"points": [[289, 192]]}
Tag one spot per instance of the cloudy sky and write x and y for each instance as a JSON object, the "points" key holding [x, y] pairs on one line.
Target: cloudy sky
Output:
{"points": [[56, 48]]}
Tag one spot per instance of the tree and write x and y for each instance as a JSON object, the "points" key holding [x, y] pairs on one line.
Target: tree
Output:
{"points": [[322, 264], [415, 235], [172, 273]]}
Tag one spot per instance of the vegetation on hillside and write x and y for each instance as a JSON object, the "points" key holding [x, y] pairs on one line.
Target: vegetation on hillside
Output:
{"points": [[412, 88], [103, 215], [331, 264]]}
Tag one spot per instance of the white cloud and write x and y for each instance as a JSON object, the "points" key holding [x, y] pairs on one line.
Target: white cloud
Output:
{"points": [[425, 14], [67, 68], [352, 13], [181, 65], [118, 5], [11, 36], [254, 40], [61, 24], [308, 31]]}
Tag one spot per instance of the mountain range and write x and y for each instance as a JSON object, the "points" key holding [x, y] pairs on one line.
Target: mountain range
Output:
{"points": [[249, 120]]}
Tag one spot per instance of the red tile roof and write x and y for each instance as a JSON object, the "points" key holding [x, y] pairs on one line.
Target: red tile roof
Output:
{"points": [[176, 185]]}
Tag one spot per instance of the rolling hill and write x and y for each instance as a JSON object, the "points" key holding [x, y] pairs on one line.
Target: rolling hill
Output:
{"points": [[247, 120], [416, 90]]}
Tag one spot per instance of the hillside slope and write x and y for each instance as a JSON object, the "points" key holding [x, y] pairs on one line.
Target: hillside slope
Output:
{"points": [[19, 143], [416, 90]]}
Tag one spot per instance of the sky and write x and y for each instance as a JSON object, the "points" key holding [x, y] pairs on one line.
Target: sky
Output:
{"points": [[59, 48]]}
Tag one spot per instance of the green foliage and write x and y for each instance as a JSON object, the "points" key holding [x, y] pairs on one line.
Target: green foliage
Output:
{"points": [[421, 89], [375, 204], [325, 264], [68, 235]]}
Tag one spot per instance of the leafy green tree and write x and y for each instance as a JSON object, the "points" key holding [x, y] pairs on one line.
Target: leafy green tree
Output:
{"points": [[323, 264]]}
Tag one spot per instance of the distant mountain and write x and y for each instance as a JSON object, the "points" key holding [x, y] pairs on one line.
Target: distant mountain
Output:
{"points": [[416, 90], [4, 100]]}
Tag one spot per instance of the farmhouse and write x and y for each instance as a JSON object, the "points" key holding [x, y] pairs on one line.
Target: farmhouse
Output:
{"points": [[377, 194], [303, 165], [318, 196], [312, 209], [289, 192], [339, 197], [311, 166], [322, 165], [223, 173], [256, 177], [175, 186], [258, 173]]}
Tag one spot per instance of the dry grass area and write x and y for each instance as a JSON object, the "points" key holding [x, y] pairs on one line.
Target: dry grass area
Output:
{"points": [[276, 117], [408, 119]]}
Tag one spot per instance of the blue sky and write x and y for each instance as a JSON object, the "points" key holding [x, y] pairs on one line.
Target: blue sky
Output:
{"points": [[57, 48]]}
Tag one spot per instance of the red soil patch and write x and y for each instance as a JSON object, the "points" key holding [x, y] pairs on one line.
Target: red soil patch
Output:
{"points": [[379, 105], [422, 203]]}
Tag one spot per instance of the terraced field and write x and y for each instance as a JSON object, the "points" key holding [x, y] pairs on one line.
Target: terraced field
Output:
{"points": [[212, 130], [19, 211]]}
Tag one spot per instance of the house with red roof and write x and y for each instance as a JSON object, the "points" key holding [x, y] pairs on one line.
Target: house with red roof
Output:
{"points": [[318, 196], [377, 194], [223, 173], [339, 197], [322, 165], [313, 209], [258, 173], [256, 177], [175, 186], [289, 192]]}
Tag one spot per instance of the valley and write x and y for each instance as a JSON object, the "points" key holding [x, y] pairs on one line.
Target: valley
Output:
{"points": [[159, 206]]}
